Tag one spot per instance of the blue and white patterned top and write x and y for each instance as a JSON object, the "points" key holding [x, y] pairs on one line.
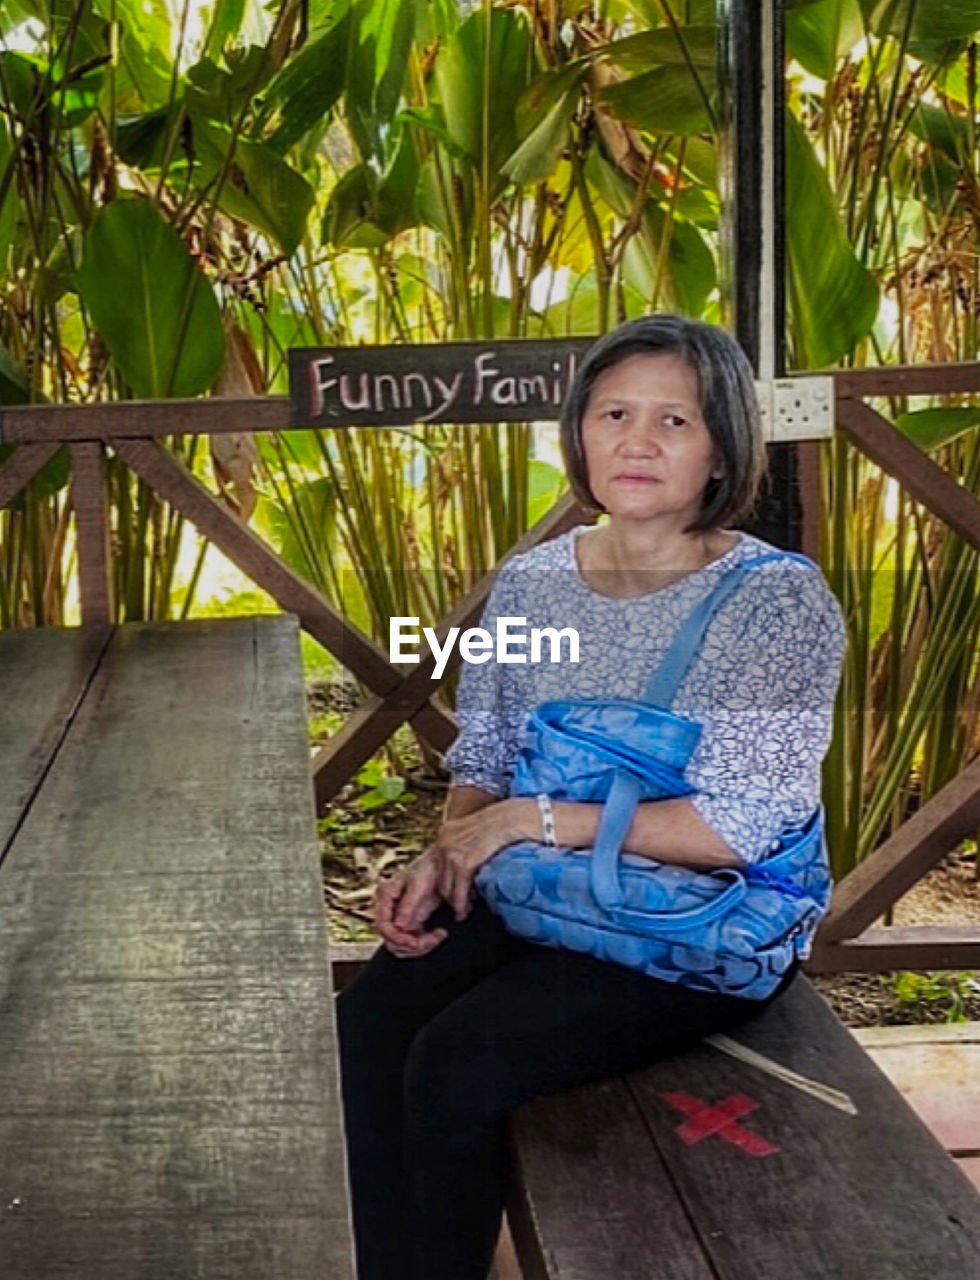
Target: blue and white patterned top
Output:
{"points": [[762, 687]]}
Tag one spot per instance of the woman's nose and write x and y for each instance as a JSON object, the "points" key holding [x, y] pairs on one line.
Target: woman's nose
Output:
{"points": [[641, 437]]}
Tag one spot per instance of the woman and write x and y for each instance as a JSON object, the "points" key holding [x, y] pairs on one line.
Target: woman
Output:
{"points": [[455, 1022]]}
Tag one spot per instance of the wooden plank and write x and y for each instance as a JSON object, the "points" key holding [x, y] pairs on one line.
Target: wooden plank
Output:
{"points": [[169, 1102], [22, 466], [218, 1248], [905, 857], [511, 380], [872, 1195], [124, 419], [347, 959], [43, 676], [927, 482], [215, 416], [374, 722], [909, 947], [90, 504], [939, 1078], [592, 1198], [907, 380]]}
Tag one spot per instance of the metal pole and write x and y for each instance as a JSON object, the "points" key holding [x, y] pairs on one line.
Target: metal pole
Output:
{"points": [[751, 67], [752, 178]]}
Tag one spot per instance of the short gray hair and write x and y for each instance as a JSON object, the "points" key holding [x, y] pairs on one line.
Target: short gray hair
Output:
{"points": [[728, 405]]}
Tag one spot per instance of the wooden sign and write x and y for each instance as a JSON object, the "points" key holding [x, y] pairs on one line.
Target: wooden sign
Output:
{"points": [[514, 380]]}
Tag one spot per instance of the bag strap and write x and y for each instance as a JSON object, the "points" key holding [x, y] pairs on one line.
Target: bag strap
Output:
{"points": [[661, 688], [624, 796]]}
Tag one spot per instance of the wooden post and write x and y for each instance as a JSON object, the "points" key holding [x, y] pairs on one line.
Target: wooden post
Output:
{"points": [[88, 499]]}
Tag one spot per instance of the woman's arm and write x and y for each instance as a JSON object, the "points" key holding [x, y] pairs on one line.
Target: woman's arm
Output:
{"points": [[466, 799], [770, 686], [665, 830]]}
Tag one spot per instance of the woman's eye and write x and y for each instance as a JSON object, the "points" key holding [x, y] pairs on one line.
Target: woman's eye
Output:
{"points": [[675, 420], [615, 415]]}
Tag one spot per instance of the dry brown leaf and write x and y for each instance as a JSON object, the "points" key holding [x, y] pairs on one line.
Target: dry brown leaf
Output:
{"points": [[624, 145]]}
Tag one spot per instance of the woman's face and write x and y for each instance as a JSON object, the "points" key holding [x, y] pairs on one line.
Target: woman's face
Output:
{"points": [[648, 453]]}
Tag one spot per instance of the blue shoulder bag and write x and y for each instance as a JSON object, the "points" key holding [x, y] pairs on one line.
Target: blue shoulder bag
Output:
{"points": [[732, 930]]}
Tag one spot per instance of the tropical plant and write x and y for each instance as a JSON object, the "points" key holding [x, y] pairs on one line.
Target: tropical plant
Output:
{"points": [[886, 93], [172, 172]]}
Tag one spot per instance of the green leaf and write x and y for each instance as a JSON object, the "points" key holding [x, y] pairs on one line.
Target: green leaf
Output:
{"points": [[13, 380], [378, 54], [480, 86], [366, 212], [545, 485], [226, 19], [931, 428], [933, 22], [941, 129], [22, 83], [664, 47], [310, 84], [154, 309], [432, 120], [8, 198], [140, 139], [259, 187], [690, 266], [545, 92], [221, 94], [144, 69], [535, 159], [819, 34], [440, 203], [665, 100], [351, 211], [834, 299]]}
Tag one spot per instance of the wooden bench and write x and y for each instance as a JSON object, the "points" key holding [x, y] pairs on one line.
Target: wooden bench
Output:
{"points": [[168, 1081], [652, 1176]]}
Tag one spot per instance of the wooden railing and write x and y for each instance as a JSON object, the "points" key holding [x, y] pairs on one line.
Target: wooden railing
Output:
{"points": [[132, 431]]}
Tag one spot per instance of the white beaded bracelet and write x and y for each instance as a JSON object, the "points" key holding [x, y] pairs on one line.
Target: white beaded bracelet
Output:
{"points": [[547, 821]]}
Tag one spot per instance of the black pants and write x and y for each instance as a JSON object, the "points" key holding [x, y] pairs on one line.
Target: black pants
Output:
{"points": [[436, 1051]]}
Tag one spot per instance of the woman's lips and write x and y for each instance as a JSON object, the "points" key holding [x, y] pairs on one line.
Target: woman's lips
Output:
{"points": [[630, 478]]}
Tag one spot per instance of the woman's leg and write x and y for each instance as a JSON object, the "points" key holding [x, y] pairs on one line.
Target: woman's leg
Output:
{"points": [[378, 1016], [545, 1021]]}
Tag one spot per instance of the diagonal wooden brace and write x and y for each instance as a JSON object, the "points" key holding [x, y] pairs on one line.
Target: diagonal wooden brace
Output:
{"points": [[905, 857], [924, 479], [375, 721], [356, 651], [21, 467]]}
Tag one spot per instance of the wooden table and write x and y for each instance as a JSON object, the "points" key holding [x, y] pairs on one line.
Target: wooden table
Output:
{"points": [[168, 1079]]}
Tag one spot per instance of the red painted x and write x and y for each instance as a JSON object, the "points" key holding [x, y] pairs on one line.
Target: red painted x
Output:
{"points": [[704, 1120]]}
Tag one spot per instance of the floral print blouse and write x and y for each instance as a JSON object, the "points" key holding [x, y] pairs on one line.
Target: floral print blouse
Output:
{"points": [[762, 686]]}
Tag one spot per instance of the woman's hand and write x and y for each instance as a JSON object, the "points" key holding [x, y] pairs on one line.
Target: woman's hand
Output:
{"points": [[445, 872], [403, 903], [464, 844]]}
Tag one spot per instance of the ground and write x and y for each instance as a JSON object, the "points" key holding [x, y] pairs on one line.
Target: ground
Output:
{"points": [[388, 818]]}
